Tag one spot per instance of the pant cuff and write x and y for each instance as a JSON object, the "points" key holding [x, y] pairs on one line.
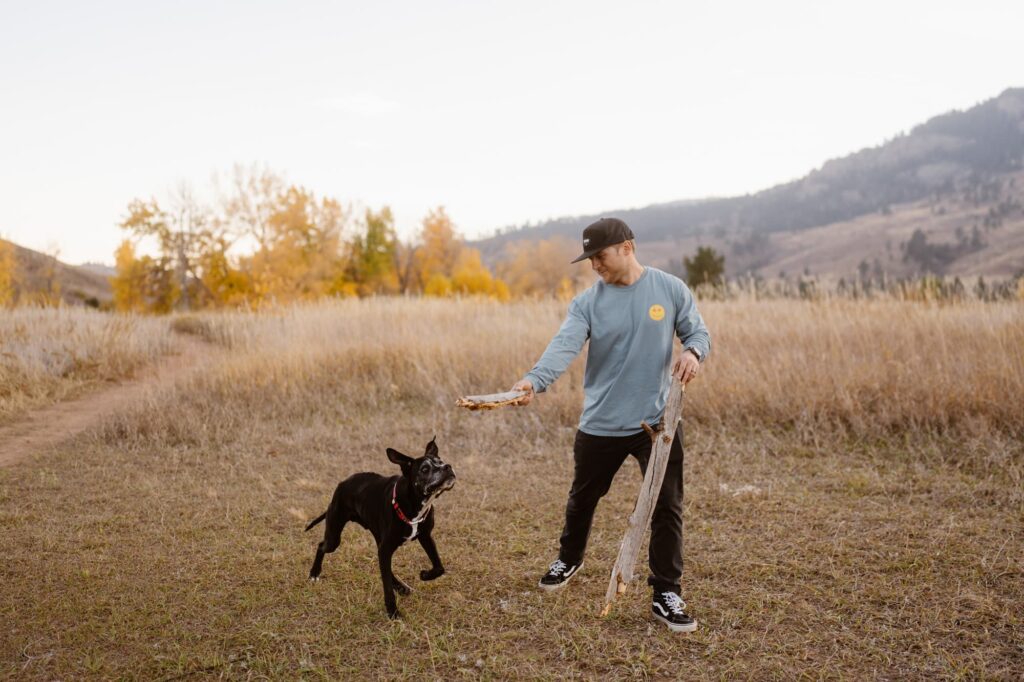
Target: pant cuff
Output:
{"points": [[663, 585]]}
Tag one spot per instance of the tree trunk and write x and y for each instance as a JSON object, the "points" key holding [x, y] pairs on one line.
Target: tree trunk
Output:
{"points": [[182, 267], [640, 519]]}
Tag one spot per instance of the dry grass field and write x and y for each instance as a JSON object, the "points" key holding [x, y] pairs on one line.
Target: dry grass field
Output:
{"points": [[50, 354], [854, 505]]}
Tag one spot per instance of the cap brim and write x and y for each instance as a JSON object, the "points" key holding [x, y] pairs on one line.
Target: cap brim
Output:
{"points": [[593, 252], [585, 255]]}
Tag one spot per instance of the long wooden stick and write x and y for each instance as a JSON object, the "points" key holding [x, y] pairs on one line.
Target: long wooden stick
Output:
{"points": [[640, 519]]}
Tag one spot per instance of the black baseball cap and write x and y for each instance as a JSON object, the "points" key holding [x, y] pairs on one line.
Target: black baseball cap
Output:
{"points": [[602, 234]]}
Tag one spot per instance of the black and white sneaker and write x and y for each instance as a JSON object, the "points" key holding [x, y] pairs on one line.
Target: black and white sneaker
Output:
{"points": [[668, 607], [558, 575]]}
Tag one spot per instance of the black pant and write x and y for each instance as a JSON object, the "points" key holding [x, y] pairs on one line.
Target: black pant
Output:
{"points": [[597, 459]]}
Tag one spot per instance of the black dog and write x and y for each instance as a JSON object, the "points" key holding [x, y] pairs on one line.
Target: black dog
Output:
{"points": [[394, 509]]}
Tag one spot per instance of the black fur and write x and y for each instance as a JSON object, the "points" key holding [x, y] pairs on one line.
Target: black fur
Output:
{"points": [[366, 499]]}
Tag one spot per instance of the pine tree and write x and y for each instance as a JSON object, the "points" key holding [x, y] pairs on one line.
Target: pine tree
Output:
{"points": [[706, 267]]}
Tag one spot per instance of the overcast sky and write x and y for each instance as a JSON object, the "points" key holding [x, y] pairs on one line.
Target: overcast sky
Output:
{"points": [[503, 112]]}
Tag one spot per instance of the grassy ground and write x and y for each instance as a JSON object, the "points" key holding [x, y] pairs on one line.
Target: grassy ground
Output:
{"points": [[168, 542]]}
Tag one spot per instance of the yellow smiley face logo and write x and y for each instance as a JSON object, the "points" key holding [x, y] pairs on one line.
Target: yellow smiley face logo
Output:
{"points": [[656, 312]]}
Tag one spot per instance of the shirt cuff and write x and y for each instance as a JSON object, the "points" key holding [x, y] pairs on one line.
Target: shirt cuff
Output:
{"points": [[538, 385]]}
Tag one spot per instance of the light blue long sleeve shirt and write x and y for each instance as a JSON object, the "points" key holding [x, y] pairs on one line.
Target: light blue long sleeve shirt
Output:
{"points": [[630, 329]]}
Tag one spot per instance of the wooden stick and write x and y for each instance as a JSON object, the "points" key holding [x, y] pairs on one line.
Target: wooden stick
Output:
{"points": [[640, 519], [490, 401]]}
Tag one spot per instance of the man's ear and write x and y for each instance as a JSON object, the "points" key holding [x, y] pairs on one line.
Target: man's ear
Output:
{"points": [[431, 449], [398, 458]]}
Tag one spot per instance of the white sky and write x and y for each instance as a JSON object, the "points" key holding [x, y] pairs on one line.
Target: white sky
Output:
{"points": [[503, 112]]}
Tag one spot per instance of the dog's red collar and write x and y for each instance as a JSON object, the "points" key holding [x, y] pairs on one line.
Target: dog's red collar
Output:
{"points": [[394, 503]]}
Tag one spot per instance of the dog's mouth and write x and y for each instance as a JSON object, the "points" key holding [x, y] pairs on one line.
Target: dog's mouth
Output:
{"points": [[440, 487]]}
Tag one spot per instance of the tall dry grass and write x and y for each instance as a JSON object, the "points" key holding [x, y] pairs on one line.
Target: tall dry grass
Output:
{"points": [[861, 367], [867, 366], [48, 354]]}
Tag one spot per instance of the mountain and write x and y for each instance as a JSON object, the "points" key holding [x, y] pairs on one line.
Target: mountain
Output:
{"points": [[947, 198], [98, 269], [36, 274]]}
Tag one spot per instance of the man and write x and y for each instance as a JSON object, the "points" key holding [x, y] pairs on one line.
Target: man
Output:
{"points": [[629, 315]]}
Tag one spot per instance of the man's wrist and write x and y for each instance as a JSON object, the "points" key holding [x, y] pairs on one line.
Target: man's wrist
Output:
{"points": [[696, 353]]}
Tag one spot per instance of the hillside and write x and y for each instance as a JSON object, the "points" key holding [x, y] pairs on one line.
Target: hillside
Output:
{"points": [[37, 274], [957, 178]]}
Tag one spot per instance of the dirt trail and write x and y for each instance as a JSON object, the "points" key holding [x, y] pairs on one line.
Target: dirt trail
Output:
{"points": [[46, 427]]}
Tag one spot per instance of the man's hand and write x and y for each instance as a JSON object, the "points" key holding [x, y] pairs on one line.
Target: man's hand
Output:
{"points": [[686, 367], [524, 385]]}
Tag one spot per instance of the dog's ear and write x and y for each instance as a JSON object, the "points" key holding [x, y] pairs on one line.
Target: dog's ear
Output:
{"points": [[399, 459], [432, 449]]}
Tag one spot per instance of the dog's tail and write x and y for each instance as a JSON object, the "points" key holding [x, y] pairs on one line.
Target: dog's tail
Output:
{"points": [[316, 520]]}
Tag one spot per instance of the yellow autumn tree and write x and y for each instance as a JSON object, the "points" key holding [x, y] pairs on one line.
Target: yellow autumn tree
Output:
{"points": [[129, 284], [8, 274], [471, 277], [225, 284], [438, 285], [542, 268], [162, 289], [143, 283], [181, 234], [445, 266], [302, 255], [438, 249]]}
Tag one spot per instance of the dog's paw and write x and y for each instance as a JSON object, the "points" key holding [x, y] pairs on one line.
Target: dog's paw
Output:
{"points": [[432, 574], [314, 579], [394, 615]]}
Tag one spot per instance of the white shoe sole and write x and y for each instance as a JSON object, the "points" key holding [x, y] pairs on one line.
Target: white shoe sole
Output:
{"points": [[552, 588], [675, 627]]}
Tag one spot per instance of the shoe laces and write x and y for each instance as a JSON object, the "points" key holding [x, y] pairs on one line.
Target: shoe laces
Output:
{"points": [[557, 567], [674, 602]]}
